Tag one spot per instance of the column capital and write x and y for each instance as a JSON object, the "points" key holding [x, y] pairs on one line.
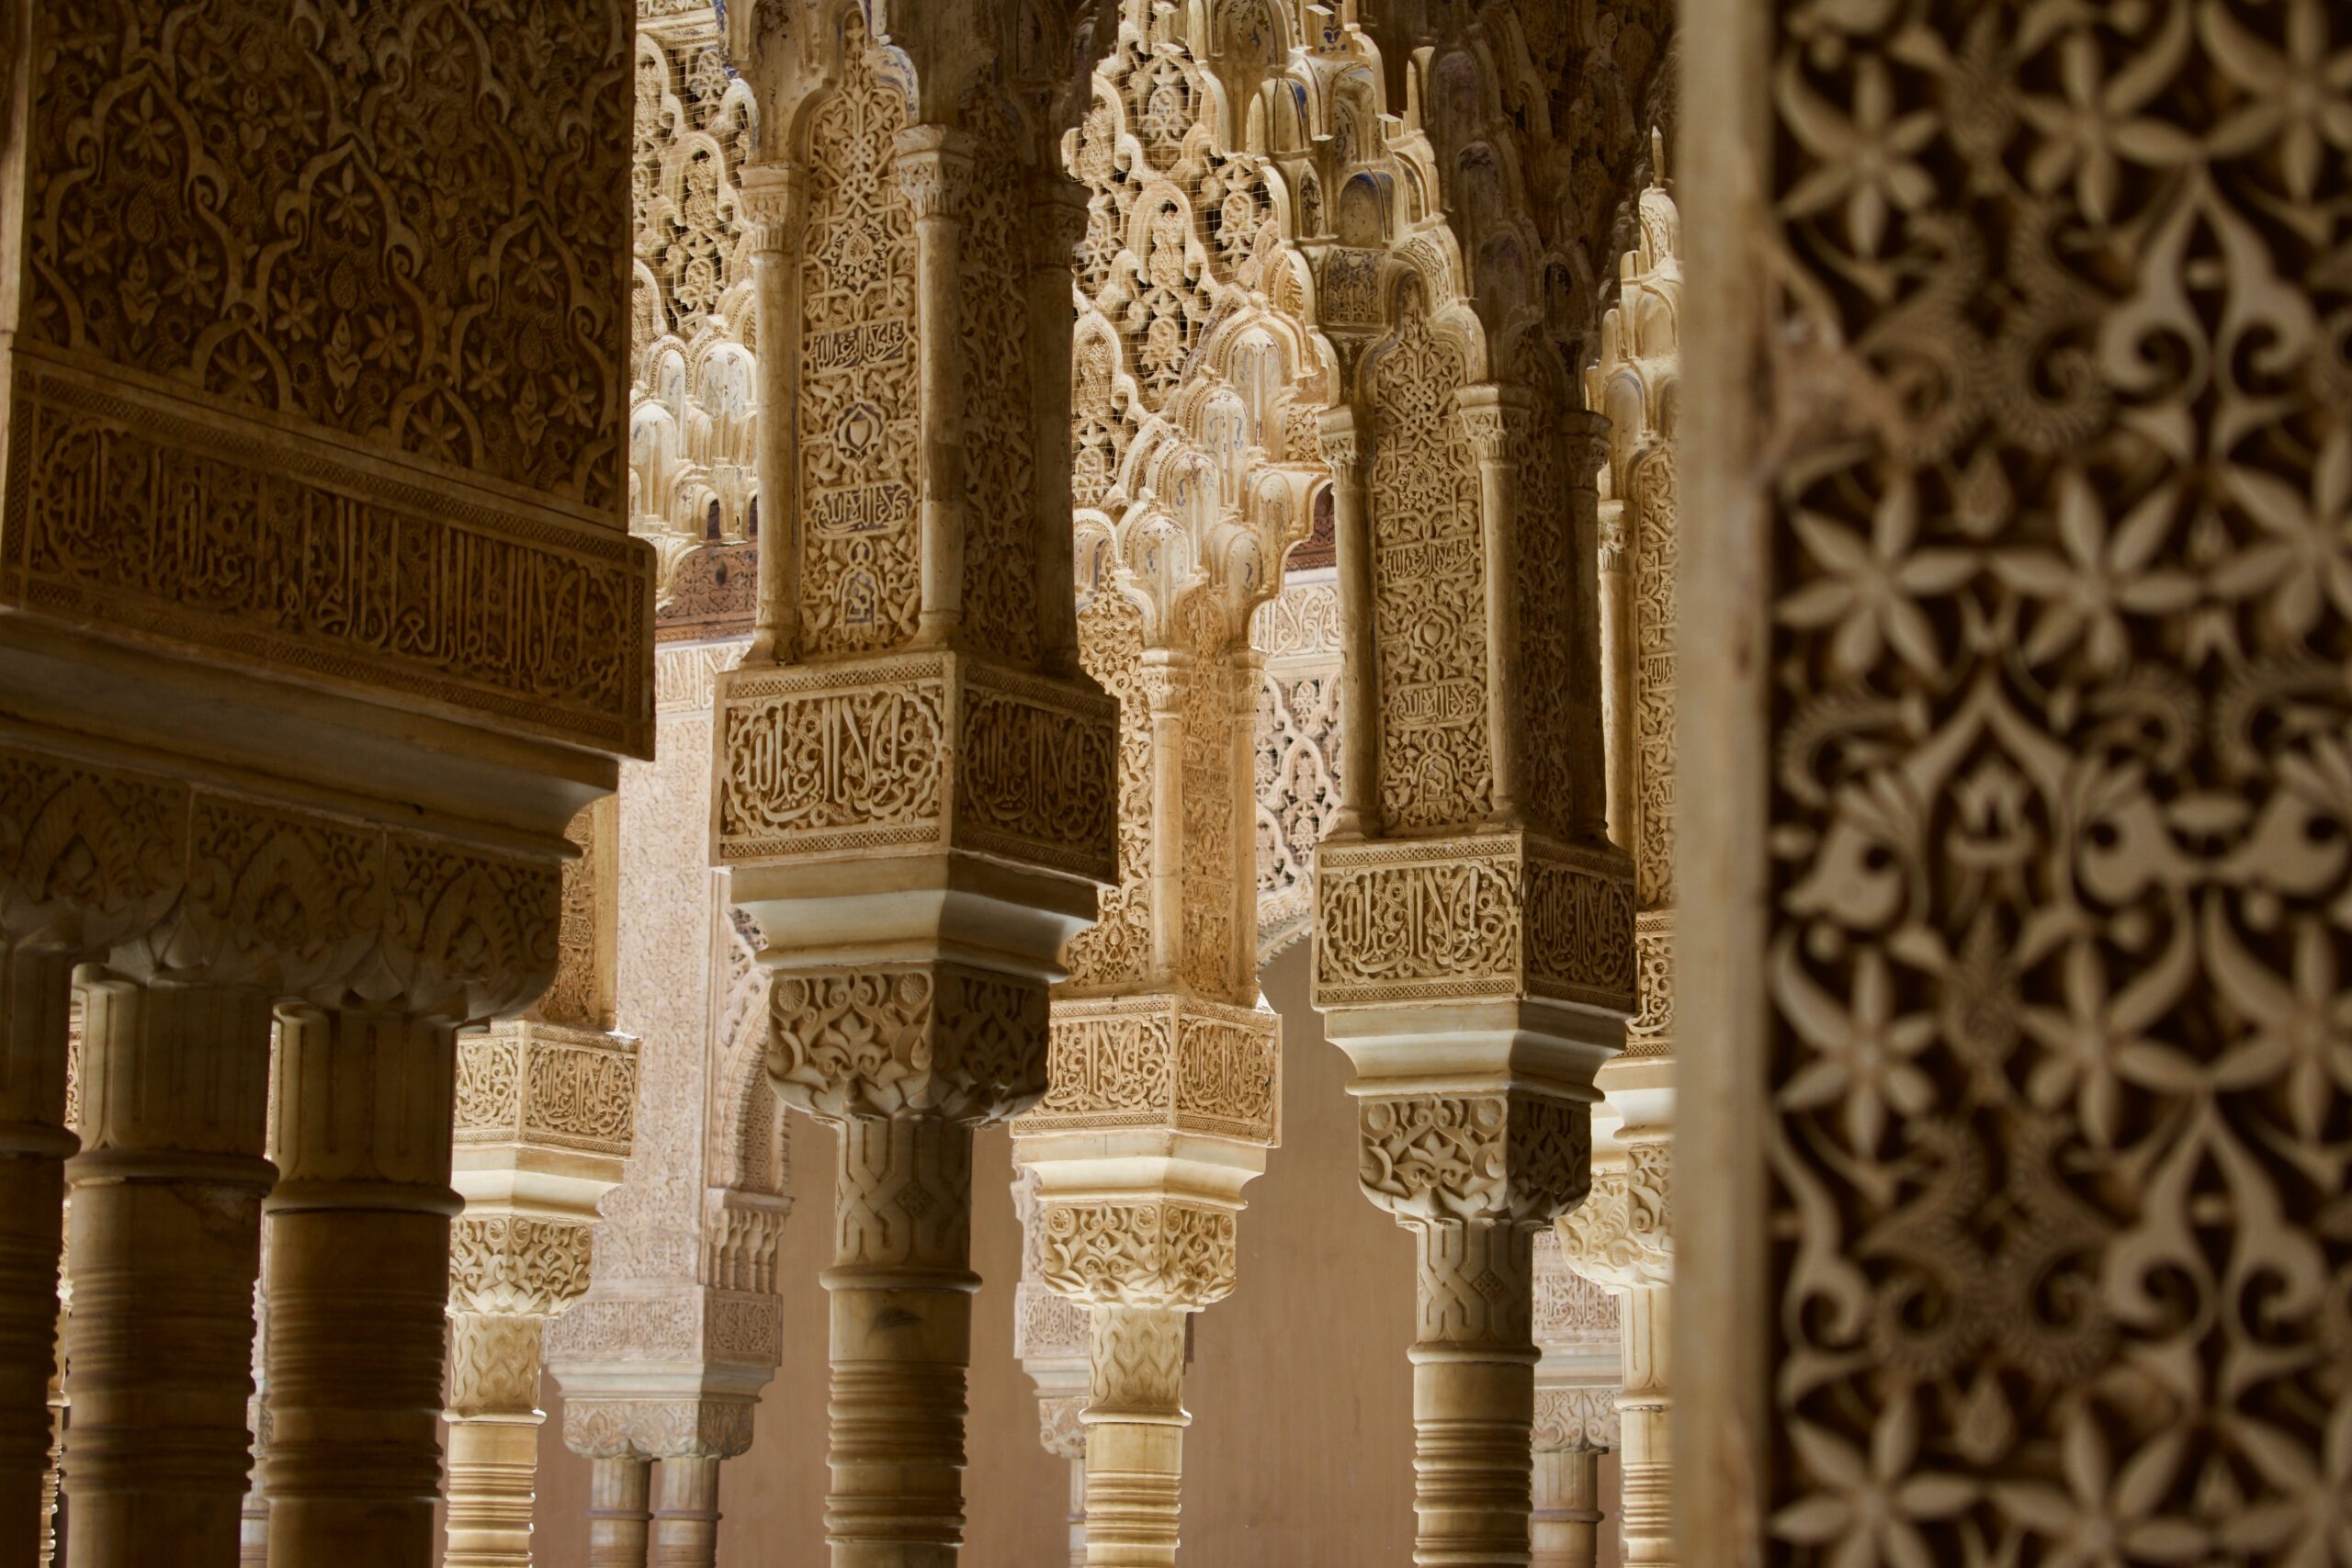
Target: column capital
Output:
{"points": [[1437, 1156], [1493, 418], [1058, 217], [772, 198], [1586, 436], [1621, 1235], [516, 1265], [1148, 1254], [934, 168], [679, 1426], [1345, 440]]}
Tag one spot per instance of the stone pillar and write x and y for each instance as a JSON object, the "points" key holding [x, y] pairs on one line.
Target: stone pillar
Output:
{"points": [[1164, 1076], [493, 1435], [349, 623], [686, 1521], [359, 1264], [164, 1249], [911, 806], [1473, 929], [1621, 1237], [619, 1519], [774, 196], [36, 982], [543, 1112], [1346, 449], [1576, 1409], [1053, 1340], [253, 1523]]}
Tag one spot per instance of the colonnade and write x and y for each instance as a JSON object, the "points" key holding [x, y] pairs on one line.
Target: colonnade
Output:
{"points": [[2011, 914]]}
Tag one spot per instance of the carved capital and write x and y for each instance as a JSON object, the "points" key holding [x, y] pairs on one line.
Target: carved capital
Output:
{"points": [[493, 1367], [916, 1039], [1140, 1254], [1621, 1235], [515, 1265], [1576, 1418], [1511, 1157], [657, 1427], [934, 170], [1057, 218], [1059, 1424], [1494, 418], [1587, 437], [1346, 445], [772, 199], [182, 879]]}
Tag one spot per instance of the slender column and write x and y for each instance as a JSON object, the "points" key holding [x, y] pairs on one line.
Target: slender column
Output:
{"points": [[1617, 666], [1346, 448], [1565, 1524], [1646, 1476], [35, 996], [900, 1290], [934, 170], [493, 1439], [1134, 1436], [618, 1519], [359, 1279], [166, 1236], [253, 1523], [1474, 1392], [1622, 1237], [1488, 416], [1078, 1512], [1586, 447], [773, 197], [1058, 213], [685, 1524]]}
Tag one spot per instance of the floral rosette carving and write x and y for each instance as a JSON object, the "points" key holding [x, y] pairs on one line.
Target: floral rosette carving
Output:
{"points": [[2062, 810]]}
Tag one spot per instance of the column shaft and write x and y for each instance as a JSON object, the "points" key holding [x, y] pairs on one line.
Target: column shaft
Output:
{"points": [[1499, 538], [166, 1240], [1134, 1436], [1078, 1513], [1359, 813], [35, 993], [1565, 1528], [493, 1439], [774, 202], [618, 1519], [901, 1292], [685, 1524], [359, 1286], [933, 166], [1474, 1394], [1645, 1476]]}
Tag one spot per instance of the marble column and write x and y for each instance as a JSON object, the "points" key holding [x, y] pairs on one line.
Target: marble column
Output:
{"points": [[915, 806], [36, 980], [1474, 949], [165, 1246]]}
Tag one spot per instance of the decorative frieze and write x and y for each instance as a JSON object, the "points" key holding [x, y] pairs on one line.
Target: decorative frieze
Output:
{"points": [[541, 1084], [1502, 915], [923, 753], [1170, 1062]]}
